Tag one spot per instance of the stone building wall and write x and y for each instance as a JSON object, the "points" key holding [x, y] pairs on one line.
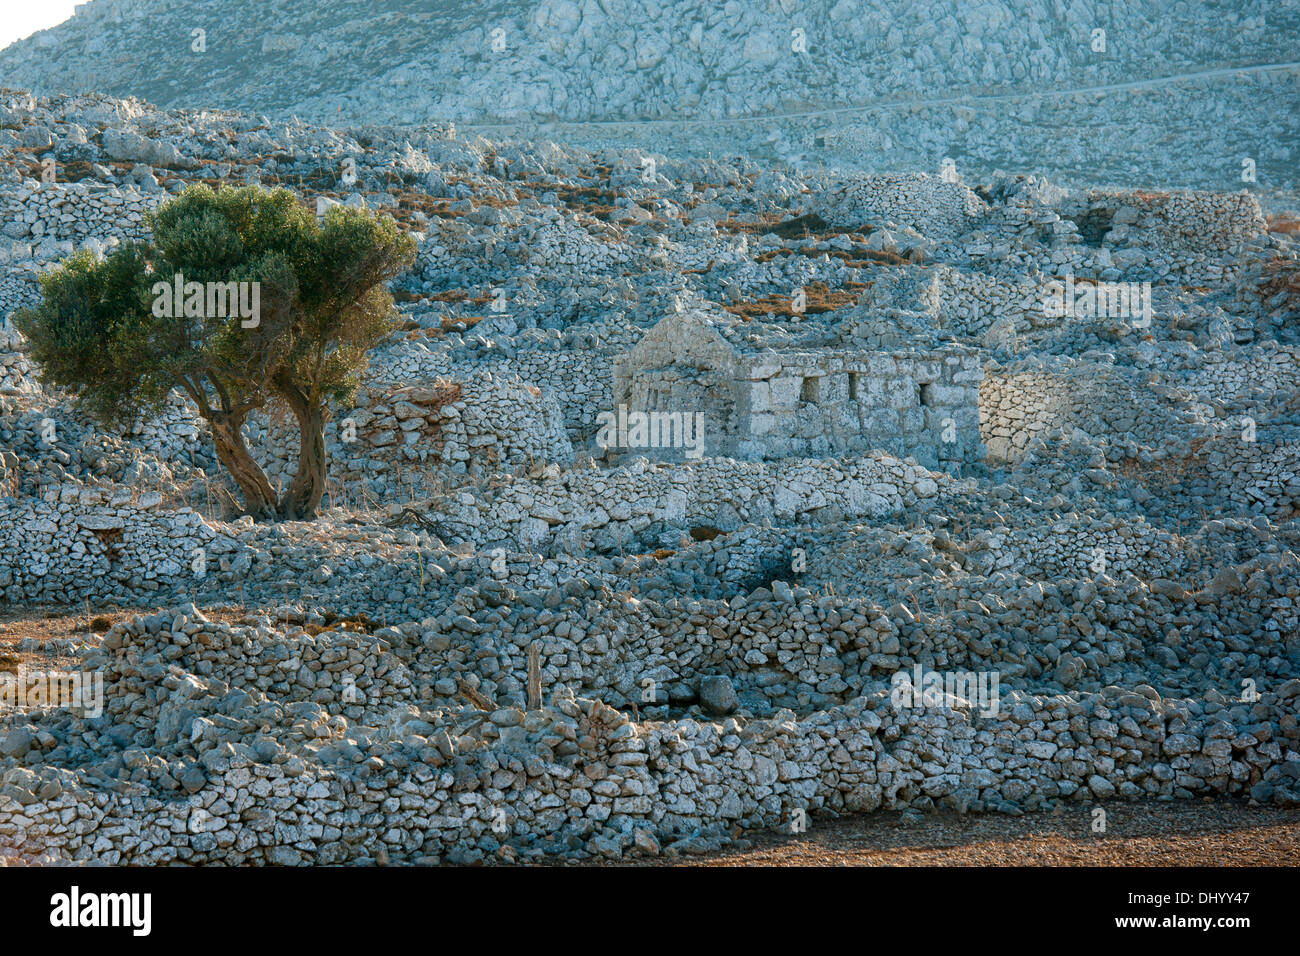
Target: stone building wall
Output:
{"points": [[772, 404], [909, 404]]}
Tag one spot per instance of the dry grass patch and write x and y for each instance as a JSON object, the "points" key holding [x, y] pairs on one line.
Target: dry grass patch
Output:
{"points": [[1286, 223], [819, 299]]}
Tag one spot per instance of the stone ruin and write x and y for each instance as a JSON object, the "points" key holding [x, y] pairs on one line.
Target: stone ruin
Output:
{"points": [[831, 402]]}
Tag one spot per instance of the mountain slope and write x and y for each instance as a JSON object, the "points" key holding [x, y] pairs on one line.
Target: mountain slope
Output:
{"points": [[408, 61], [1181, 94]]}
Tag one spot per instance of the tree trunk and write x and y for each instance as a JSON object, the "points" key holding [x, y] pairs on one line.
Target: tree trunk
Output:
{"points": [[302, 500], [259, 497]]}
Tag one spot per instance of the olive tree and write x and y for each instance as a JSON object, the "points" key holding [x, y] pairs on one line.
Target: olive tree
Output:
{"points": [[241, 299]]}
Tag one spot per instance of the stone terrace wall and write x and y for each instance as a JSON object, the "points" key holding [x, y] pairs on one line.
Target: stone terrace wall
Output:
{"points": [[46, 221], [1224, 376], [17, 372], [354, 674], [626, 783], [973, 307], [786, 647], [578, 380], [555, 245], [610, 508], [574, 368], [1019, 402], [420, 435], [1088, 548], [1263, 475], [969, 302], [85, 542]]}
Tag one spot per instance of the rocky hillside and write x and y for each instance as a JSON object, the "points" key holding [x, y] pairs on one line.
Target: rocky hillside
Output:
{"points": [[621, 59], [894, 85], [508, 639]]}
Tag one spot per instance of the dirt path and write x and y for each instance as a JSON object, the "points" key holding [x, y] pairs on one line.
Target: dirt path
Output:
{"points": [[900, 102], [1193, 833]]}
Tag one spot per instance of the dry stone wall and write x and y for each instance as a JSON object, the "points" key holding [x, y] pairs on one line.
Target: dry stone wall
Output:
{"points": [[47, 221], [1263, 474], [718, 639], [420, 437], [459, 786], [17, 373], [609, 509], [572, 369], [86, 541], [1181, 222], [1225, 376], [933, 207], [1019, 402]]}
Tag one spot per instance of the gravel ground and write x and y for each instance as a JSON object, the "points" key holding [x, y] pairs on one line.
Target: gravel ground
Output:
{"points": [[1193, 833]]}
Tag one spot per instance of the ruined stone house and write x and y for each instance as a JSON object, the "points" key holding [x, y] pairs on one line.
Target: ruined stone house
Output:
{"points": [[766, 403]]}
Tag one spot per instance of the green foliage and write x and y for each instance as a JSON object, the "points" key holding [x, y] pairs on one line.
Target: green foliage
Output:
{"points": [[87, 332], [344, 306]]}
